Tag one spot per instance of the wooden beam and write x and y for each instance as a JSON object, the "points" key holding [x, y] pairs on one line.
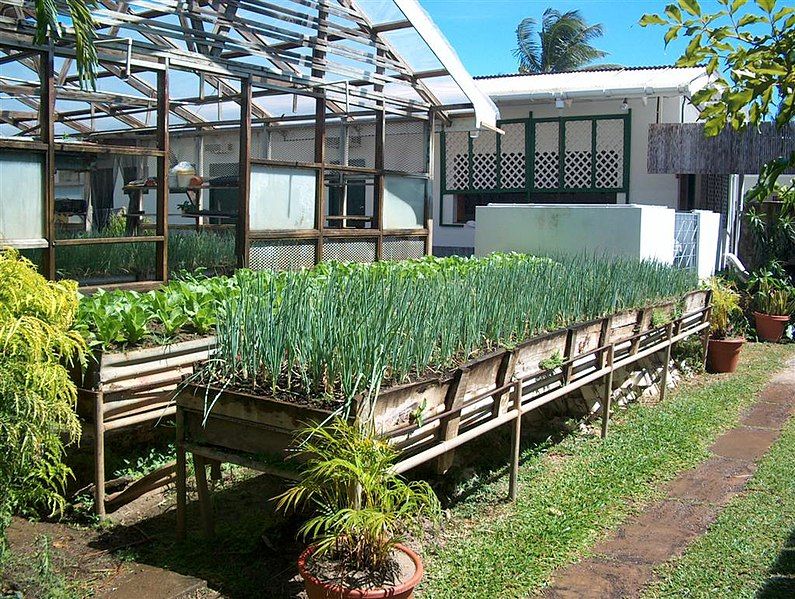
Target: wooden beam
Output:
{"points": [[161, 227], [242, 242], [320, 140], [47, 122], [391, 26]]}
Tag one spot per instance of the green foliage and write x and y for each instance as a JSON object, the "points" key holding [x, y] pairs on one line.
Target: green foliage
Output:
{"points": [[771, 226], [563, 44], [126, 318], [771, 291], [50, 26], [363, 508], [37, 396], [726, 312], [748, 49], [342, 330], [552, 362]]}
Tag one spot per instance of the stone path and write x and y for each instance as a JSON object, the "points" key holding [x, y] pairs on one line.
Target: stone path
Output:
{"points": [[623, 564]]}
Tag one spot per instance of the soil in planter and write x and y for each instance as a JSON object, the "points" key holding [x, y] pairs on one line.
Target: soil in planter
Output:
{"points": [[156, 338], [400, 568]]}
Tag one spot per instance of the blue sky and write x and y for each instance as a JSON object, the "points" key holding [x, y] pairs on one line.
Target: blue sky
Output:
{"points": [[483, 31]]}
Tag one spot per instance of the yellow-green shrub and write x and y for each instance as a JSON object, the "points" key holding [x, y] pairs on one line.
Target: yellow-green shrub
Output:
{"points": [[37, 397]]}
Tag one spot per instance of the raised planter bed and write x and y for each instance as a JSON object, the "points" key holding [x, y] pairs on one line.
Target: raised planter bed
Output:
{"points": [[120, 390], [429, 418]]}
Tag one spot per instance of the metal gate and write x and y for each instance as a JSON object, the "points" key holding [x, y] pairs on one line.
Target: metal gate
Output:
{"points": [[686, 240]]}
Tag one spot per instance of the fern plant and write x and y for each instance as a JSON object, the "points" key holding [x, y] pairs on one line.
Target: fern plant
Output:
{"points": [[363, 508], [37, 398]]}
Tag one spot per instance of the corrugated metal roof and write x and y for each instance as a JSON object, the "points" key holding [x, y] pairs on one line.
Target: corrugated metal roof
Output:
{"points": [[596, 83]]}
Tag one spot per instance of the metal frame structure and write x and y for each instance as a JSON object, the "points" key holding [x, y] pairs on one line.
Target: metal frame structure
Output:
{"points": [[329, 54]]}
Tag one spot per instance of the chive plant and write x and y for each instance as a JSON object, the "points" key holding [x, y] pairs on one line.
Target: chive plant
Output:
{"points": [[343, 330]]}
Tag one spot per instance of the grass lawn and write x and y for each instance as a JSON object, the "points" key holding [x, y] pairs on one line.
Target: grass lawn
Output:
{"points": [[750, 550], [573, 492]]}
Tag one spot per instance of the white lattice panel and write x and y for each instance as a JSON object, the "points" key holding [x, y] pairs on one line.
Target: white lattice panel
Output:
{"points": [[577, 138], [396, 248], [609, 154], [513, 169], [281, 255], [484, 160], [456, 160], [547, 156], [296, 144], [349, 250], [406, 146]]}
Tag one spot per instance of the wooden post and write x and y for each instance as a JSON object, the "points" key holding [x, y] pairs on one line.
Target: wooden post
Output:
{"points": [[705, 338], [607, 396], [428, 221], [320, 130], [99, 454], [205, 499], [47, 125], [568, 369], [163, 107], [666, 361], [516, 437], [378, 196], [244, 176], [182, 474], [604, 338], [448, 428]]}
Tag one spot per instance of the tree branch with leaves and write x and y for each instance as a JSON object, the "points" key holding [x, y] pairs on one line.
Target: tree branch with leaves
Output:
{"points": [[49, 27]]}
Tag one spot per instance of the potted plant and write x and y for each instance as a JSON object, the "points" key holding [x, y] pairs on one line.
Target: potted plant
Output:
{"points": [[726, 339], [772, 300], [363, 513]]}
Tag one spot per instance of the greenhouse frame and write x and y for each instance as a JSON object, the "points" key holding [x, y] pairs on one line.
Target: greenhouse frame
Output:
{"points": [[329, 111]]}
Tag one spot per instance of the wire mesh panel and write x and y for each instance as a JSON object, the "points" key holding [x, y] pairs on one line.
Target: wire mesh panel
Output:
{"points": [[295, 144], [360, 148], [349, 250], [686, 240], [547, 155], [456, 160], [281, 255], [513, 171], [577, 137], [397, 248], [484, 160], [406, 146], [609, 168]]}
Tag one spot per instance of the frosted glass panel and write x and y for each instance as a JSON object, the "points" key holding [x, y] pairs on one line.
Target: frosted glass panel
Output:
{"points": [[282, 198], [404, 203], [21, 197]]}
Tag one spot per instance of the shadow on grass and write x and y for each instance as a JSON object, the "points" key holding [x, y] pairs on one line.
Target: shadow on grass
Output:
{"points": [[780, 582]]}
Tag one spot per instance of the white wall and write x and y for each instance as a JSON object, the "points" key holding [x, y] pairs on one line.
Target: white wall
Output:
{"points": [[644, 188], [647, 232], [709, 232]]}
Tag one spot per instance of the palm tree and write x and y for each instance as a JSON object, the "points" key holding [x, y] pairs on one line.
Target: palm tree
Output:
{"points": [[563, 44], [47, 26]]}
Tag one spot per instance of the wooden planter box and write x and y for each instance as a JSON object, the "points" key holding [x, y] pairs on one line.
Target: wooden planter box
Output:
{"points": [[119, 390], [478, 396]]}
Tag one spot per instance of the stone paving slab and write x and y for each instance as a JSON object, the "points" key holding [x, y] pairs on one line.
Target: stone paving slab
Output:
{"points": [[139, 581], [623, 564]]}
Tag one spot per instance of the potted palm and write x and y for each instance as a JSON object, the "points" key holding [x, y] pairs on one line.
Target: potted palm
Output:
{"points": [[726, 339], [364, 511], [772, 300]]}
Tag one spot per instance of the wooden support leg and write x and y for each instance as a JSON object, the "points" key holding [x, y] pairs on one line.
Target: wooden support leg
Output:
{"points": [[215, 472], [666, 365], [516, 436], [205, 499], [705, 339], [99, 454], [182, 474], [607, 397]]}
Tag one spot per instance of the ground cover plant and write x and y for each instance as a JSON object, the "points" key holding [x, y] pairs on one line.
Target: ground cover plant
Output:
{"points": [[342, 330], [37, 418], [570, 494], [748, 551]]}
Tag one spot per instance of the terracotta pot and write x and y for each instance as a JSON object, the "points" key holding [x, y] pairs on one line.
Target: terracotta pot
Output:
{"points": [[317, 589], [723, 354], [770, 326]]}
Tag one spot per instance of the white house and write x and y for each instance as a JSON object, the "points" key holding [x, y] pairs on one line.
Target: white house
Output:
{"points": [[587, 132]]}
